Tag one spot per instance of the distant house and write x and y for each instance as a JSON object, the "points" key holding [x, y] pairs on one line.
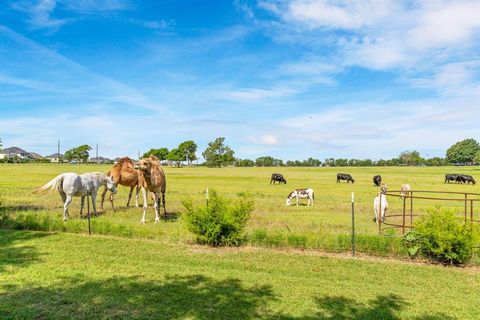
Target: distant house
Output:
{"points": [[37, 156], [16, 152], [56, 157], [100, 160]]}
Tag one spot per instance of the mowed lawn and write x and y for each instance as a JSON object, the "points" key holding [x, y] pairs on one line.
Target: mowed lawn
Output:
{"points": [[331, 213], [72, 276]]}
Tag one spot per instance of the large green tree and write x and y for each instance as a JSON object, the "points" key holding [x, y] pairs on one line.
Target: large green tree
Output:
{"points": [[410, 158], [176, 155], [188, 148], [463, 151], [160, 153], [78, 154], [218, 154]]}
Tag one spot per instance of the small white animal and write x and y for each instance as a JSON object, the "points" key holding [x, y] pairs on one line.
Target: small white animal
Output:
{"points": [[405, 190], [380, 205], [301, 194]]}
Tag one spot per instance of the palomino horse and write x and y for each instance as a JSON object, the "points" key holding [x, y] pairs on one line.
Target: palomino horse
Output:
{"points": [[123, 173], [73, 185], [154, 181]]}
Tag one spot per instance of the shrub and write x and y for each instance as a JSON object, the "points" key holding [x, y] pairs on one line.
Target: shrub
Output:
{"points": [[220, 223], [442, 237]]}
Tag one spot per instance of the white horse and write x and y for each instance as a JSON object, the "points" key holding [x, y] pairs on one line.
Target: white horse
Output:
{"points": [[301, 194], [73, 185]]}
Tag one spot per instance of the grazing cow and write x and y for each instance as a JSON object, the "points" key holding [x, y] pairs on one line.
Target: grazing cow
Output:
{"points": [[380, 204], [377, 180], [344, 176], [465, 178], [301, 194], [405, 190], [451, 177], [277, 177]]}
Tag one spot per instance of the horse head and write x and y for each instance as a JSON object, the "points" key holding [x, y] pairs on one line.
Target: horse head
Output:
{"points": [[111, 185]]}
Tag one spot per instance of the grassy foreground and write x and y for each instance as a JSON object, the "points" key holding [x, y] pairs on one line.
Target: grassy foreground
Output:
{"points": [[68, 276], [326, 226]]}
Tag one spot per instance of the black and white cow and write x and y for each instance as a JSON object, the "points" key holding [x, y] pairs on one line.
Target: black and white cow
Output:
{"points": [[301, 194], [377, 180], [451, 177], [344, 176], [277, 177]]}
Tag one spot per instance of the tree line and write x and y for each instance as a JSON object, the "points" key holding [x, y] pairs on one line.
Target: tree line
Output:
{"points": [[218, 154]]}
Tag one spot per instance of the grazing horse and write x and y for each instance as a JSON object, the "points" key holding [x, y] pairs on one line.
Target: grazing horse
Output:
{"points": [[301, 194], [344, 176], [380, 204], [73, 185], [154, 181], [123, 173]]}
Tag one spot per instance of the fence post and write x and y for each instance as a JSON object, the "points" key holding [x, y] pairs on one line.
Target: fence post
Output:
{"points": [[353, 224], [88, 213]]}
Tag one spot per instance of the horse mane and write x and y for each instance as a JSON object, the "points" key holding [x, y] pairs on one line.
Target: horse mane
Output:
{"points": [[156, 171]]}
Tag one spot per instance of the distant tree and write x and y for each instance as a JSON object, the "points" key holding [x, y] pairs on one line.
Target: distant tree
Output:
{"points": [[244, 163], [410, 158], [268, 161], [477, 158], [463, 151], [79, 154], [188, 148], [160, 153], [176, 155], [330, 162], [435, 161], [218, 154]]}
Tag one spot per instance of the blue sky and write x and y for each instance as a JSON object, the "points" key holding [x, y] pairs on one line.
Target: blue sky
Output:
{"points": [[292, 79]]}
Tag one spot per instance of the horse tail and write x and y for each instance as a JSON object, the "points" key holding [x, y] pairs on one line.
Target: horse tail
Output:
{"points": [[52, 184]]}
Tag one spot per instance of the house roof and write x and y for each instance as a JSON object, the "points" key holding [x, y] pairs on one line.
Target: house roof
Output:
{"points": [[12, 150], [55, 155], [36, 155]]}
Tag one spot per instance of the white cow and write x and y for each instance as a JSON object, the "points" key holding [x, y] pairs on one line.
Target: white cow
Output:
{"points": [[380, 205], [301, 194]]}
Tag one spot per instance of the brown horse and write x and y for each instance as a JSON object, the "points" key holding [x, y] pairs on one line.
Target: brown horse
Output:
{"points": [[154, 181], [123, 173]]}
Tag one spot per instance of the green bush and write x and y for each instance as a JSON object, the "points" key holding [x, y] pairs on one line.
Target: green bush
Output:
{"points": [[442, 237], [220, 223]]}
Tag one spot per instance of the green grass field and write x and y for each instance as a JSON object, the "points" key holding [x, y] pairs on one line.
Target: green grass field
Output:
{"points": [[69, 276], [326, 226]]}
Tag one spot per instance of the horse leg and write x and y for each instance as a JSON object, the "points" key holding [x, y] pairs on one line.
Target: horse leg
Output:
{"points": [[137, 190], [144, 193], [130, 196], [156, 205], [163, 203], [94, 198], [68, 201], [82, 202], [103, 197], [111, 202]]}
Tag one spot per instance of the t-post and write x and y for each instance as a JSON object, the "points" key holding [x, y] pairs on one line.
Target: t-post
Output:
{"points": [[353, 224]]}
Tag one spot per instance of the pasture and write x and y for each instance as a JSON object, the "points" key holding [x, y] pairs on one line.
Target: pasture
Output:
{"points": [[325, 226], [72, 276]]}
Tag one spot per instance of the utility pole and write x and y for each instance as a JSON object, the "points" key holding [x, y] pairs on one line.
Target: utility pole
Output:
{"points": [[58, 152], [97, 153], [138, 154]]}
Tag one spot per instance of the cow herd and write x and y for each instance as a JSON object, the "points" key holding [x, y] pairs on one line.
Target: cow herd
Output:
{"points": [[459, 178], [380, 203]]}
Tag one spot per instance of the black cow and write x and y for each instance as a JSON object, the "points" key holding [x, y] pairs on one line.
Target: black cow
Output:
{"points": [[465, 178], [344, 176], [377, 180], [451, 177], [277, 177]]}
